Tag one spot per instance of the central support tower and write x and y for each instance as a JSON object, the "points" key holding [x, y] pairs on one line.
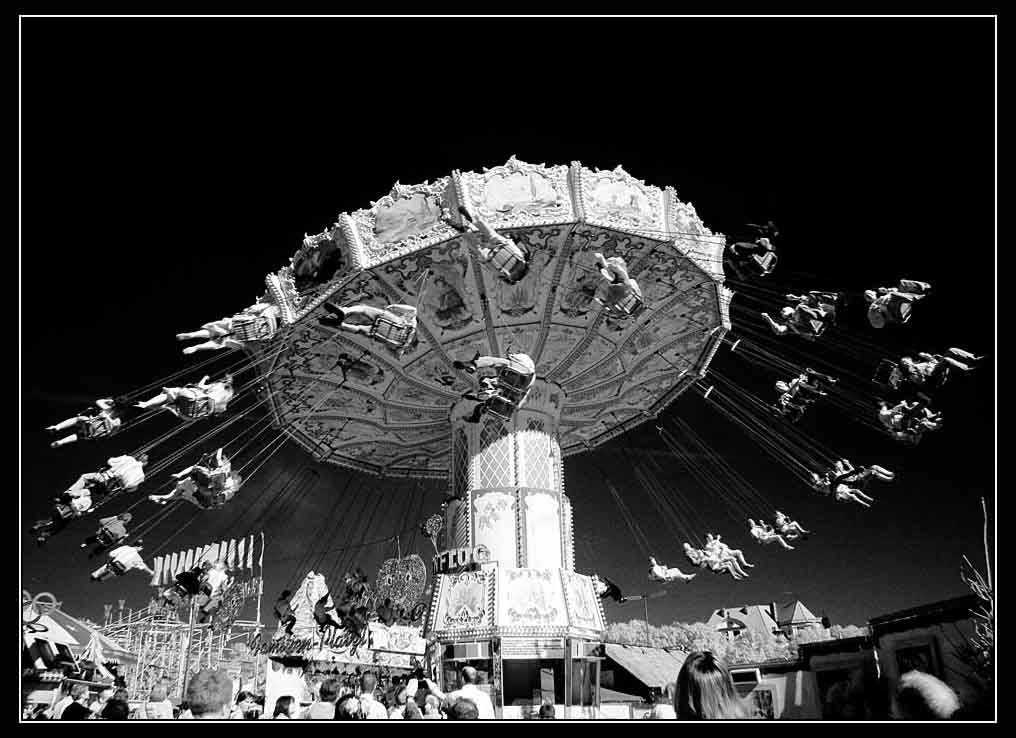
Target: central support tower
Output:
{"points": [[523, 617]]}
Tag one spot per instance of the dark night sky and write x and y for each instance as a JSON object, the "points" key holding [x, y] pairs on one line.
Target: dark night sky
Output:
{"points": [[168, 165]]}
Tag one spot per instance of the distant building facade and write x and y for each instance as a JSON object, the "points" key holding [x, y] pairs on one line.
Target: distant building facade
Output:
{"points": [[787, 619]]}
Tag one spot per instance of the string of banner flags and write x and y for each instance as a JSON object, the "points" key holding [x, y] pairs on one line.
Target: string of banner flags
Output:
{"points": [[236, 553]]}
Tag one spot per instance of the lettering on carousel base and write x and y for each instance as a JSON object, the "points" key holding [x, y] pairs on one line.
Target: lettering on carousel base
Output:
{"points": [[455, 560], [336, 640]]}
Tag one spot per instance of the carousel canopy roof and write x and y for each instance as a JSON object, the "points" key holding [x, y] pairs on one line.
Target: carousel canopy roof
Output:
{"points": [[351, 401]]}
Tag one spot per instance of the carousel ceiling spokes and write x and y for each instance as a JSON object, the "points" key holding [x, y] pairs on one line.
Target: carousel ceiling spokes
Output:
{"points": [[351, 401]]}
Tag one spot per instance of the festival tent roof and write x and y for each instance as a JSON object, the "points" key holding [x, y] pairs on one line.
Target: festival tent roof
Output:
{"points": [[47, 629], [61, 628], [654, 667]]}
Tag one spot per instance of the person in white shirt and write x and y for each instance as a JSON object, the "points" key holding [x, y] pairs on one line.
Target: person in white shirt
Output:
{"points": [[471, 691], [121, 561], [122, 474], [372, 709], [56, 711]]}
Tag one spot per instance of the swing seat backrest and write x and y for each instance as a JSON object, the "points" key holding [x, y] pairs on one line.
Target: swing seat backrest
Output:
{"points": [[106, 538], [393, 333], [250, 328], [97, 426], [885, 372], [195, 407], [501, 407], [628, 306], [509, 381]]}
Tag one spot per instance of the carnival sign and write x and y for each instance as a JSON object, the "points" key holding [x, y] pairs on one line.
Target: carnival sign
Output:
{"points": [[397, 639], [457, 559], [335, 644], [402, 581]]}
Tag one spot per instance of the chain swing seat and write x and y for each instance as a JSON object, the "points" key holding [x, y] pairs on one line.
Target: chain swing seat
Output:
{"points": [[509, 266], [392, 333], [511, 388], [194, 406], [97, 426], [887, 374], [629, 305]]}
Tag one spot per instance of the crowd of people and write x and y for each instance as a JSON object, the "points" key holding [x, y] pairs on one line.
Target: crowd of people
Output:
{"points": [[704, 690]]}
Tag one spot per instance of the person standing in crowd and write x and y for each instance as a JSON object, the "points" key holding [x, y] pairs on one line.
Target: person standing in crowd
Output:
{"points": [[100, 701], [705, 690], [412, 711], [77, 709], [158, 706], [209, 694], [471, 691], [246, 708], [921, 696], [349, 709], [115, 710], [432, 708], [324, 708], [65, 699], [401, 698], [547, 711], [117, 707], [664, 707], [371, 708], [463, 708], [286, 708]]}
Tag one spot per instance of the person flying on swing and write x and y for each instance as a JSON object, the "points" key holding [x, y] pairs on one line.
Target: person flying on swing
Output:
{"points": [[617, 292], [394, 325], [507, 390], [894, 304], [838, 481], [67, 508], [121, 561], [103, 420], [908, 420], [705, 560], [259, 322], [802, 320], [660, 573], [789, 529], [121, 474], [209, 484], [932, 370], [764, 533], [724, 552], [112, 532], [194, 401], [503, 254], [751, 260]]}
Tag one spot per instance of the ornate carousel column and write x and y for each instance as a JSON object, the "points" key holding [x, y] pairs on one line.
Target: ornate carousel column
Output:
{"points": [[508, 485]]}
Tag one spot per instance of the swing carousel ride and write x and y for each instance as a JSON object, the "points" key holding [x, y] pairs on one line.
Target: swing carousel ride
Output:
{"points": [[479, 329]]}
